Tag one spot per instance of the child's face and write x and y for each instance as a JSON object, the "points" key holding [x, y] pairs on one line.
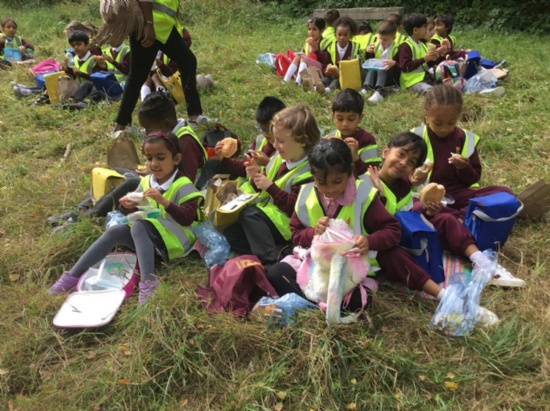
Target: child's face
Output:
{"points": [[161, 161], [343, 36], [80, 48], [399, 162], [10, 29], [333, 185], [346, 122], [313, 31], [265, 129], [386, 40], [420, 33], [442, 120], [429, 31], [288, 148], [441, 29]]}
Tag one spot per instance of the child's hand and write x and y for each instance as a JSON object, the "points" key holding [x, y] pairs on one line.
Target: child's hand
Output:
{"points": [[388, 64], [259, 157], [77, 72], [252, 168], [362, 243], [459, 161], [432, 208], [370, 48], [127, 204], [218, 150], [156, 195], [321, 226], [431, 56], [310, 41], [108, 58], [353, 145], [22, 49], [261, 181], [375, 178]]}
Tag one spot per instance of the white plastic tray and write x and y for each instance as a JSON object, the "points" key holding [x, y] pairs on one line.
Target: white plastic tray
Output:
{"points": [[84, 309]]}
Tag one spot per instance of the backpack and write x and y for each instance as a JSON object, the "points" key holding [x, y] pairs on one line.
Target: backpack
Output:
{"points": [[282, 62], [218, 133], [448, 72], [235, 286]]}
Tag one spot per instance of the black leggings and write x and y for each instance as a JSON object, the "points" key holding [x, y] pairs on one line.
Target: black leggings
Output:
{"points": [[141, 60], [283, 278]]}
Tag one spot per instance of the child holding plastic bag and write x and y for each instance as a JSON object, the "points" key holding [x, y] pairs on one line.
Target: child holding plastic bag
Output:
{"points": [[307, 57], [452, 150], [169, 235], [404, 153], [336, 193]]}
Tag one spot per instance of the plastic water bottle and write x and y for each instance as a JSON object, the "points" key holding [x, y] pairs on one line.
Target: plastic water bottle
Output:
{"points": [[70, 60]]}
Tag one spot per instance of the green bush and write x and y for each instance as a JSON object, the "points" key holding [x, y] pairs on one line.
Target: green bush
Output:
{"points": [[507, 15]]}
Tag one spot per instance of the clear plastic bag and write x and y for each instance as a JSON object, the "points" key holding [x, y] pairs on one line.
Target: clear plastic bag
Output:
{"points": [[456, 314], [484, 80], [281, 310], [218, 248], [266, 58], [114, 218]]}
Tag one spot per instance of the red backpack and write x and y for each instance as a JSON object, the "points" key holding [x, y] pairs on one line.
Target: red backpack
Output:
{"points": [[235, 286], [282, 62]]}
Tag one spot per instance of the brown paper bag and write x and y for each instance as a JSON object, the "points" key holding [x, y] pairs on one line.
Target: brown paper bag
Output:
{"points": [[224, 201], [66, 86], [313, 74], [122, 154], [536, 200]]}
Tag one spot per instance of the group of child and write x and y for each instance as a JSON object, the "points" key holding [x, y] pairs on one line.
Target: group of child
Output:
{"points": [[406, 60], [85, 58], [302, 181]]}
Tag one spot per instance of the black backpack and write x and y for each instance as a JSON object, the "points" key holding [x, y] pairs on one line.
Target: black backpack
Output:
{"points": [[218, 133]]}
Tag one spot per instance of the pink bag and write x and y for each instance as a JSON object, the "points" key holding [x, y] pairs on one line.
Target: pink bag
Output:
{"points": [[46, 66], [236, 286], [332, 269]]}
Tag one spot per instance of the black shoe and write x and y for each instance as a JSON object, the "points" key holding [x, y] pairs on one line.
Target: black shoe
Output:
{"points": [[60, 219], [41, 101]]}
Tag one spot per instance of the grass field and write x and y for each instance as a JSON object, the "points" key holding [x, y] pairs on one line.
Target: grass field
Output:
{"points": [[170, 354]]}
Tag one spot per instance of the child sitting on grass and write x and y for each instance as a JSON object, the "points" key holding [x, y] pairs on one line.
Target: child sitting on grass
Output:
{"points": [[10, 39], [263, 229], [347, 113], [342, 49], [307, 57], [413, 56], [386, 50], [452, 150], [167, 236], [442, 37]]}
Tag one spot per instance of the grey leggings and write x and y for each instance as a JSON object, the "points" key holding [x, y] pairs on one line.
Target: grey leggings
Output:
{"points": [[137, 237]]}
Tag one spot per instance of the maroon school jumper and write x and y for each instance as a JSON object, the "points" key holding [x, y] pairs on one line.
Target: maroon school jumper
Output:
{"points": [[453, 236], [396, 263], [192, 157], [364, 138], [406, 63], [236, 166], [124, 66], [457, 182], [282, 199]]}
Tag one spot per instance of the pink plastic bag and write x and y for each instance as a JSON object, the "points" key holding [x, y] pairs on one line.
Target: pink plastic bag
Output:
{"points": [[331, 270]]}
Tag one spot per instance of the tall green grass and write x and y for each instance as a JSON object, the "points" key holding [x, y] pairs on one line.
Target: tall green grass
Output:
{"points": [[170, 354]]}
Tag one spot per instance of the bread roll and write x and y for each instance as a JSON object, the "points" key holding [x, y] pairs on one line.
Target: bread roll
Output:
{"points": [[229, 147], [431, 47], [431, 192], [423, 170]]}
